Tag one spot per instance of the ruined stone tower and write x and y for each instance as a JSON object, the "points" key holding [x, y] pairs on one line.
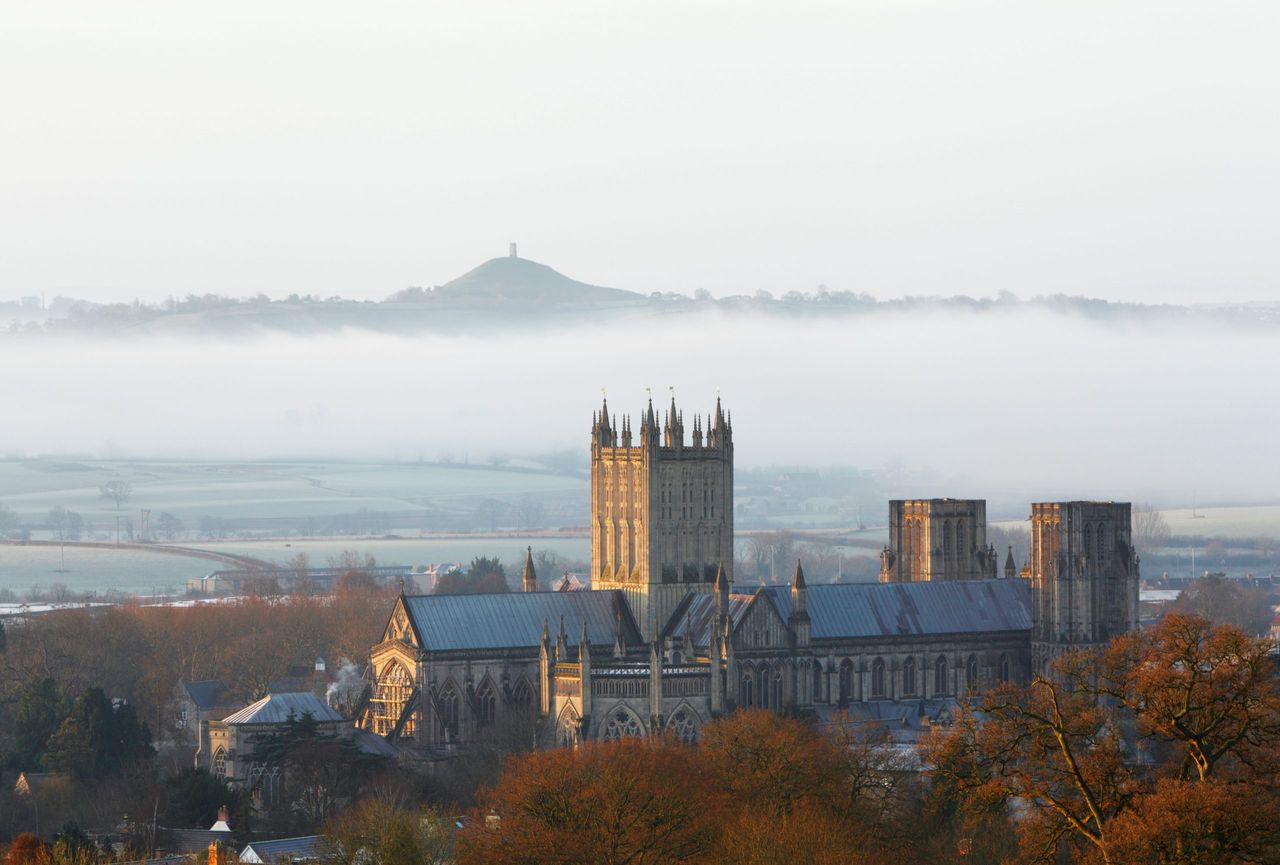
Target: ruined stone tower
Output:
{"points": [[662, 508], [937, 539], [1084, 576]]}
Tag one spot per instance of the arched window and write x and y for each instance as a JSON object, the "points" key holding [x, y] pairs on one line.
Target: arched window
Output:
{"points": [[486, 704], [523, 694], [1088, 540], [946, 539], [747, 696], [391, 694], [775, 698], [1004, 668], [684, 726], [568, 727], [940, 676], [762, 683], [877, 679], [909, 676], [846, 681], [817, 681], [449, 709], [1102, 545], [971, 673], [220, 763], [621, 724]]}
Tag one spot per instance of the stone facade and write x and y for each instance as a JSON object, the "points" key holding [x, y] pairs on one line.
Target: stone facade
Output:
{"points": [[937, 539], [662, 508], [1084, 576], [663, 643]]}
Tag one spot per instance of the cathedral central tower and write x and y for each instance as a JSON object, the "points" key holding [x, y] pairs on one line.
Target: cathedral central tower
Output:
{"points": [[661, 508]]}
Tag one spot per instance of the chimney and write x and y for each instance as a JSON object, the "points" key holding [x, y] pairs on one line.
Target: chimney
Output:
{"points": [[511, 250]]}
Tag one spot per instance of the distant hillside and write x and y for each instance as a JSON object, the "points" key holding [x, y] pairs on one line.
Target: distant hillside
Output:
{"points": [[522, 280]]}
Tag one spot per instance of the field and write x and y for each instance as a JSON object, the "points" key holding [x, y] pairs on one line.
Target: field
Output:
{"points": [[266, 490]]}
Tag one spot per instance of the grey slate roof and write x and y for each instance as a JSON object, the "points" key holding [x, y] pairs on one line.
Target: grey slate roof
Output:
{"points": [[514, 620], [695, 612], [273, 851], [204, 693], [852, 610], [276, 709]]}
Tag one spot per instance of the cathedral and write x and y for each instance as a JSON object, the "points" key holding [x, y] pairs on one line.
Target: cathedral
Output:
{"points": [[664, 641]]}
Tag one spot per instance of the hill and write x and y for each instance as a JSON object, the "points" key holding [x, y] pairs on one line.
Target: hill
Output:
{"points": [[522, 280]]}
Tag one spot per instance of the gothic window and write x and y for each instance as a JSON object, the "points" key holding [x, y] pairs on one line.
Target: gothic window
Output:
{"points": [[946, 539], [877, 679], [683, 726], [449, 708], [220, 763], [747, 696], [486, 704], [971, 673], [622, 725], [817, 681], [1004, 668], [391, 695], [523, 694], [775, 697], [846, 681], [909, 676], [940, 675], [762, 679], [568, 727], [1102, 547]]}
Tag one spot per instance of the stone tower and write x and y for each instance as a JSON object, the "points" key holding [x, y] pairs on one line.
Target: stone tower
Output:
{"points": [[937, 539], [661, 508], [1084, 576]]}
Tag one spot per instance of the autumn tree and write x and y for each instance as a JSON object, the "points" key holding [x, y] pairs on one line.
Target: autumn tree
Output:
{"points": [[378, 831], [629, 802]]}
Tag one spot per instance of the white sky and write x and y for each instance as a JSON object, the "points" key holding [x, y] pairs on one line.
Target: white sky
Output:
{"points": [[1119, 149]]}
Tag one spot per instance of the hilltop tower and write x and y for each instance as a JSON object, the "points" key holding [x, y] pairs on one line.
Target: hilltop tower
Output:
{"points": [[937, 539], [661, 508], [1084, 576]]}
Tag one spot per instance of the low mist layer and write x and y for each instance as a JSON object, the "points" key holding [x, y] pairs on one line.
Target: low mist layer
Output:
{"points": [[1022, 400]]}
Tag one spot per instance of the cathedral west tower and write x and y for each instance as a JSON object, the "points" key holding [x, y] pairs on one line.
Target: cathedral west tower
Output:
{"points": [[1084, 576], [661, 509]]}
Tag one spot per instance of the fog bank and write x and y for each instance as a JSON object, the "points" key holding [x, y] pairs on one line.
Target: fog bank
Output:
{"points": [[1023, 400]]}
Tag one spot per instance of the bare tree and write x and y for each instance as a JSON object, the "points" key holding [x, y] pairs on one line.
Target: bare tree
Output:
{"points": [[118, 492], [1150, 530]]}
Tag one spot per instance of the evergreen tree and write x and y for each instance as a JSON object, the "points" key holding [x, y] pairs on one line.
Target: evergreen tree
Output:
{"points": [[40, 711]]}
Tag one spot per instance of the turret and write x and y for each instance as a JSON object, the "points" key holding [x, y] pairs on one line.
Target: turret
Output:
{"points": [[529, 582], [546, 675], [697, 431], [655, 685], [1010, 569], [798, 621], [584, 671], [562, 643]]}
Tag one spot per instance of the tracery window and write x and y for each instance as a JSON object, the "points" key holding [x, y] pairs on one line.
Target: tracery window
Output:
{"points": [[449, 709], [486, 705], [877, 678], [940, 675], [817, 681], [220, 763], [775, 698], [909, 676], [1004, 668], [684, 726], [391, 695], [622, 725], [846, 681], [568, 727], [523, 694], [971, 672], [747, 696], [763, 681]]}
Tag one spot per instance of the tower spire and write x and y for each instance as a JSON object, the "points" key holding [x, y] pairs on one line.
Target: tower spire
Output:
{"points": [[529, 582]]}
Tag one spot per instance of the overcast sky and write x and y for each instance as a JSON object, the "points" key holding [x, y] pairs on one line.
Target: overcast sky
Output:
{"points": [[1118, 149]]}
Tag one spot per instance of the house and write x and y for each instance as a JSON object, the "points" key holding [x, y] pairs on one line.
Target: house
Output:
{"points": [[281, 850]]}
